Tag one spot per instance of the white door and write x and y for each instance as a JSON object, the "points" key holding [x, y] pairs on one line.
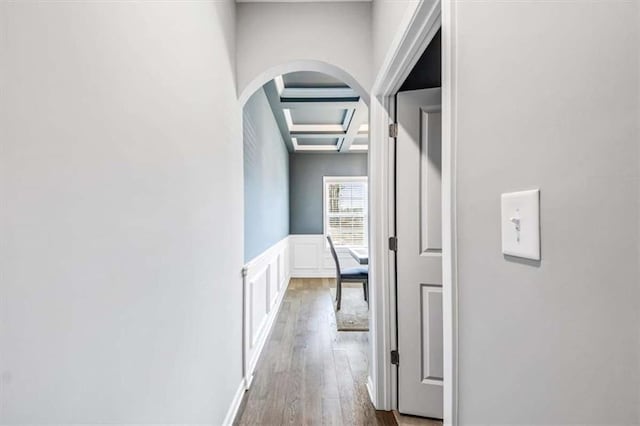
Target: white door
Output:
{"points": [[419, 252]]}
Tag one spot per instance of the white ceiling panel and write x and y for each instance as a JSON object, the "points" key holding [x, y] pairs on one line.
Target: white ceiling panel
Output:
{"points": [[317, 141], [313, 116]]}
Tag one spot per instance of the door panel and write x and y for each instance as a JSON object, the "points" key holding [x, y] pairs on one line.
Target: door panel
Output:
{"points": [[419, 255], [431, 311], [431, 179]]}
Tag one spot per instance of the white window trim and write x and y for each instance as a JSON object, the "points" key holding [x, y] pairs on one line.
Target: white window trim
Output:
{"points": [[335, 179]]}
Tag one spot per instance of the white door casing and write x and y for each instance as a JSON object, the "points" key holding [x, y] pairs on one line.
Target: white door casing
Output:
{"points": [[419, 254]]}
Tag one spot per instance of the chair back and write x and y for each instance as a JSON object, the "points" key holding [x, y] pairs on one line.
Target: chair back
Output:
{"points": [[335, 256]]}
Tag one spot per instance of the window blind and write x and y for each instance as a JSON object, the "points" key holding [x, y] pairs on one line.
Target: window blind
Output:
{"points": [[346, 211]]}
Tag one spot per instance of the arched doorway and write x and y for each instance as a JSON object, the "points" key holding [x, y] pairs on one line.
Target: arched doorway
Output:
{"points": [[302, 65], [267, 271]]}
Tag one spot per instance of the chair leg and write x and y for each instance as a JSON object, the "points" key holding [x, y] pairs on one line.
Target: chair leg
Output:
{"points": [[338, 293], [366, 292]]}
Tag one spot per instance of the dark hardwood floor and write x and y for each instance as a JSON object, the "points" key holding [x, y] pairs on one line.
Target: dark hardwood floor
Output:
{"points": [[309, 373]]}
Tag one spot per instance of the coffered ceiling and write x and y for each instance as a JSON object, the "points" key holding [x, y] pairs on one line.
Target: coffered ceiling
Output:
{"points": [[317, 113]]}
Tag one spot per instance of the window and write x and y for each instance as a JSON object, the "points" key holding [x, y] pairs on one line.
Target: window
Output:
{"points": [[345, 210]]}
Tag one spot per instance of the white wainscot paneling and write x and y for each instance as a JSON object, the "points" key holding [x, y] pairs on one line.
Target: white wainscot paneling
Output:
{"points": [[266, 278], [258, 291], [305, 255], [311, 257], [265, 281]]}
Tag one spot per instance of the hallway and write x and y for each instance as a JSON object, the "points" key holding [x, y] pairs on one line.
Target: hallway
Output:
{"points": [[310, 373], [166, 167]]}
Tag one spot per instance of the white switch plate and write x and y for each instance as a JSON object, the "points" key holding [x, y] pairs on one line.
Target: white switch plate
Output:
{"points": [[521, 224]]}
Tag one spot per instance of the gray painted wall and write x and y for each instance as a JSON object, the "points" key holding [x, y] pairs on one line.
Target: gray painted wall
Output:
{"points": [[305, 185], [552, 102], [266, 178]]}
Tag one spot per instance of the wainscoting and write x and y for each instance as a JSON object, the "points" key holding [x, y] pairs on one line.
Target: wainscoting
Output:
{"points": [[266, 278], [311, 257], [265, 281]]}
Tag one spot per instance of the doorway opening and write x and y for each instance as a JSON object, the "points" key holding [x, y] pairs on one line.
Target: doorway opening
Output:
{"points": [[425, 176], [418, 227], [306, 292]]}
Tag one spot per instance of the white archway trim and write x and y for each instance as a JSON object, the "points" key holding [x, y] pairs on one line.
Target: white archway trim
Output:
{"points": [[302, 65]]}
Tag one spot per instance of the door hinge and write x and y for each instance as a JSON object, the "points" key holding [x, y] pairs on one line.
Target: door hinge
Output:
{"points": [[393, 243], [393, 130], [395, 357]]}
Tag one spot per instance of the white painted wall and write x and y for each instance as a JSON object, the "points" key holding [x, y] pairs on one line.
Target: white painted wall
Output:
{"points": [[120, 270], [547, 96], [389, 20], [272, 34]]}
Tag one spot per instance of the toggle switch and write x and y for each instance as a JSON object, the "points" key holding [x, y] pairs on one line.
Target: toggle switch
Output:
{"points": [[521, 224]]}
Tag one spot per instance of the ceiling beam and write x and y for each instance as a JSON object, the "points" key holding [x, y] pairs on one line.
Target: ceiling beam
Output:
{"points": [[319, 103], [359, 117], [316, 128], [318, 92], [298, 147], [271, 91], [330, 135], [311, 128]]}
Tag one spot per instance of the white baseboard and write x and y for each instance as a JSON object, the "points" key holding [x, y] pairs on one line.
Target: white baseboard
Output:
{"points": [[313, 274], [235, 405], [370, 391]]}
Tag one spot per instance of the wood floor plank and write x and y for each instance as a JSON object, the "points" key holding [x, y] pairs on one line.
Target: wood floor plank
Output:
{"points": [[293, 400], [273, 408], [309, 373], [331, 411], [345, 387], [251, 411]]}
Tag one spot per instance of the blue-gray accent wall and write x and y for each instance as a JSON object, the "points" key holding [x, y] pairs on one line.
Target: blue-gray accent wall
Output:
{"points": [[305, 186], [266, 178]]}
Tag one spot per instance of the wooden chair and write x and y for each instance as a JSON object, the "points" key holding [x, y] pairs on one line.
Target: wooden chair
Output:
{"points": [[357, 275]]}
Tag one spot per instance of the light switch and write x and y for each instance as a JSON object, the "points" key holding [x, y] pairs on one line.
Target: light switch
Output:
{"points": [[521, 224]]}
